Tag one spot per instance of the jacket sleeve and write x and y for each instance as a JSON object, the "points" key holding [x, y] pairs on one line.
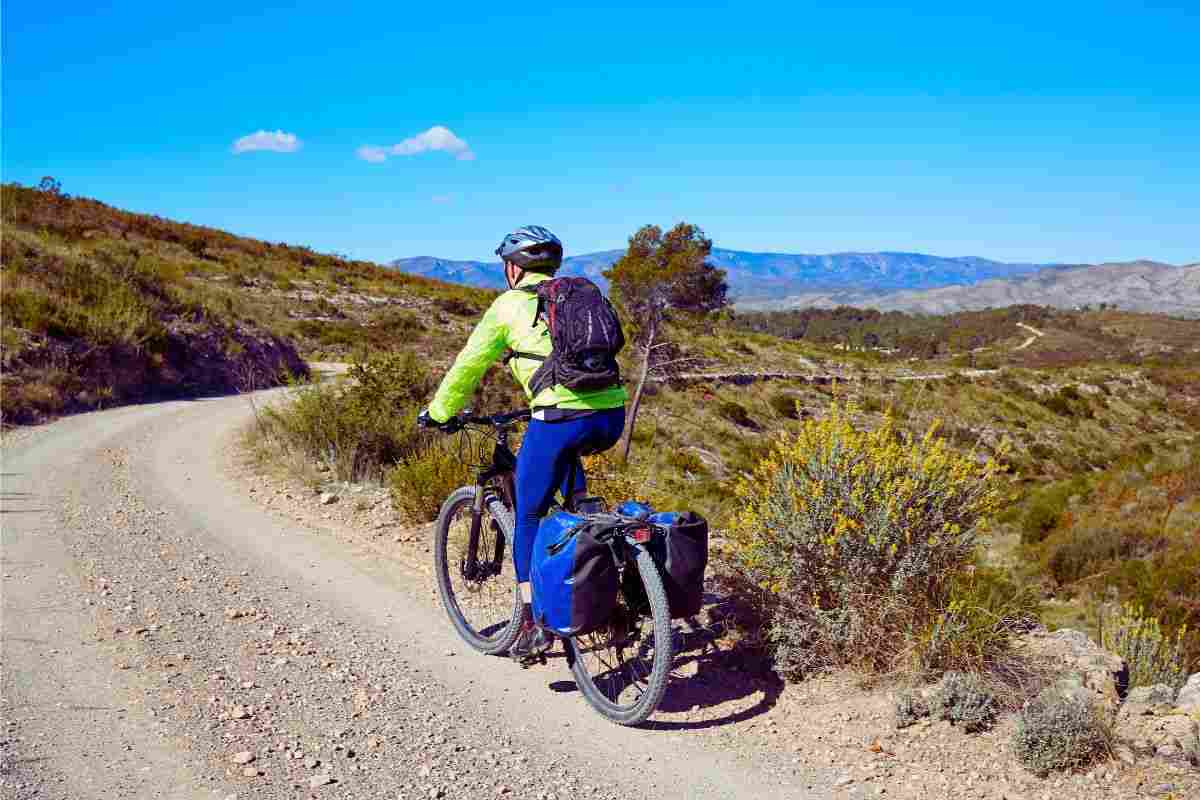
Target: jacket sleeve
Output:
{"points": [[483, 347]]}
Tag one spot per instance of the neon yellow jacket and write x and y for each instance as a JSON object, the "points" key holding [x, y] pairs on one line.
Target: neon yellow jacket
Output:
{"points": [[510, 324]]}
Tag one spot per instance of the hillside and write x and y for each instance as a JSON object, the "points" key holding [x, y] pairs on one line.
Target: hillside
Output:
{"points": [[762, 276], [103, 307], [1138, 286]]}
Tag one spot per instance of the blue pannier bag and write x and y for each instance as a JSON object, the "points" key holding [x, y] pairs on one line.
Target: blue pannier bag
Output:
{"points": [[632, 508], [574, 575]]}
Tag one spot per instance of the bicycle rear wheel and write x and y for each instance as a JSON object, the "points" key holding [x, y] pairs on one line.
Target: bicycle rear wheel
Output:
{"points": [[622, 669], [479, 593]]}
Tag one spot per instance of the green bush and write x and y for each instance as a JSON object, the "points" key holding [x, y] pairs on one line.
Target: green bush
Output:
{"points": [[360, 427], [857, 538], [964, 699], [785, 405], [1153, 656], [736, 413], [1057, 731], [1046, 506]]}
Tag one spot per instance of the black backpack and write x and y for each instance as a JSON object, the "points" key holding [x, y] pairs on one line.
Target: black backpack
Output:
{"points": [[585, 333]]}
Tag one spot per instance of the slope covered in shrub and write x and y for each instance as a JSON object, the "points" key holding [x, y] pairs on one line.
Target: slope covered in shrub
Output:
{"points": [[102, 306]]}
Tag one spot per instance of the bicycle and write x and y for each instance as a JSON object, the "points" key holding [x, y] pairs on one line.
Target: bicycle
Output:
{"points": [[622, 668]]}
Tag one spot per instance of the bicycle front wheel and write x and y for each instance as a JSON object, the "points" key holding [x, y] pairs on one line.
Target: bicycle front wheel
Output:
{"points": [[475, 579], [622, 669]]}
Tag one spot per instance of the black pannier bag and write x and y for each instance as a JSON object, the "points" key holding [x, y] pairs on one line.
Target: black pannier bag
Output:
{"points": [[682, 556]]}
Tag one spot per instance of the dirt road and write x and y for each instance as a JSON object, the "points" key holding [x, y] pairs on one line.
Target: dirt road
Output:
{"points": [[163, 636]]}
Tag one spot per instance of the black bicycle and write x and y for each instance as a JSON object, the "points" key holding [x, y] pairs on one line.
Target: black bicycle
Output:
{"points": [[621, 668]]}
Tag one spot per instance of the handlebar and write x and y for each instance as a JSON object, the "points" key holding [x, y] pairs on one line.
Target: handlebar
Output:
{"points": [[493, 420]]}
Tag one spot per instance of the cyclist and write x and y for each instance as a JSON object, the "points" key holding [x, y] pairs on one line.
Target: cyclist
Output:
{"points": [[565, 422]]}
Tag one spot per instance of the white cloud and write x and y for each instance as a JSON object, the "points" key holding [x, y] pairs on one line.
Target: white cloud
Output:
{"points": [[275, 141], [436, 138], [442, 198]]}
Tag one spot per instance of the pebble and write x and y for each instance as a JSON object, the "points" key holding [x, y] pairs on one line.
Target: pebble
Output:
{"points": [[244, 757], [324, 779]]}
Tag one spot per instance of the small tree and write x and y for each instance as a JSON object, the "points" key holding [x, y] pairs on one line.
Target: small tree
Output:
{"points": [[660, 273]]}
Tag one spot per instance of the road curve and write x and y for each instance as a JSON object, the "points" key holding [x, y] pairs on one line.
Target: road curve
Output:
{"points": [[163, 636]]}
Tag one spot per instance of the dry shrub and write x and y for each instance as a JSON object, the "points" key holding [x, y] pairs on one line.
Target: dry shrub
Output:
{"points": [[858, 538], [1060, 731], [616, 481], [964, 699], [425, 476]]}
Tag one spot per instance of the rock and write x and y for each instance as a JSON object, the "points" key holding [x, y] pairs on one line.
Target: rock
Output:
{"points": [[239, 712], [250, 772], [311, 762], [244, 757], [328, 498], [1082, 662], [1168, 735], [1146, 701], [1189, 696], [324, 779]]}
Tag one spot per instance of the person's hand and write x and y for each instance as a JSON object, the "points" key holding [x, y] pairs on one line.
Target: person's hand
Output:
{"points": [[449, 426]]}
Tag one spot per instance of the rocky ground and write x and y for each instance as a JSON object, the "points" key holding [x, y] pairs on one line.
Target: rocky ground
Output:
{"points": [[830, 723], [176, 625]]}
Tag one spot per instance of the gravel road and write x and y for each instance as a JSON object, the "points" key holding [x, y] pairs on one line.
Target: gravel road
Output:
{"points": [[163, 636]]}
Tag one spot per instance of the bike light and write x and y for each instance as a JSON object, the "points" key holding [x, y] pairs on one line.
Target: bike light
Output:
{"points": [[642, 535]]}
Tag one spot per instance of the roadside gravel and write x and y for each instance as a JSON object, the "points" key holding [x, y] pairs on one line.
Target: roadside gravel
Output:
{"points": [[165, 637]]}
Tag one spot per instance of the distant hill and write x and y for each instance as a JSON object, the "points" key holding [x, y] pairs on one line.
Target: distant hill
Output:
{"points": [[767, 276], [1135, 286]]}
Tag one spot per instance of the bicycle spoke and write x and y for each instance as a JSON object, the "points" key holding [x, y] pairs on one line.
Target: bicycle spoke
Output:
{"points": [[485, 598]]}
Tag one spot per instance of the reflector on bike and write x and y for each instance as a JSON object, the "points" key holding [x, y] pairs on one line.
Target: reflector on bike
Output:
{"points": [[642, 535]]}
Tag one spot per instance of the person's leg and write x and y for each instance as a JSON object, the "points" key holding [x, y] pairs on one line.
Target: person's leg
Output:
{"points": [[549, 453], [594, 433], [543, 462]]}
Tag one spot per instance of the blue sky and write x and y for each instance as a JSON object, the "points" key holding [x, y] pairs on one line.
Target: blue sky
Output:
{"points": [[1054, 132]]}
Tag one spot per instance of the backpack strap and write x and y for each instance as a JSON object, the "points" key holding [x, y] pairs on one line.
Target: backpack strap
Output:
{"points": [[511, 354]]}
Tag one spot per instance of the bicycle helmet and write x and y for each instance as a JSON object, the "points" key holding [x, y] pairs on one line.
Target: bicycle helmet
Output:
{"points": [[532, 248]]}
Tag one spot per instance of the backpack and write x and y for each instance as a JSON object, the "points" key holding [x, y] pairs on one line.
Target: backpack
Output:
{"points": [[585, 334]]}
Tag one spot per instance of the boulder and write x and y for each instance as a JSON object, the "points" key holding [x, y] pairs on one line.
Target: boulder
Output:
{"points": [[1146, 701], [1188, 699], [1080, 663], [1169, 735]]}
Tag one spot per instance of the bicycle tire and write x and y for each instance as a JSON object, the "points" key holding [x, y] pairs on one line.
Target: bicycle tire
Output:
{"points": [[502, 640], [660, 671]]}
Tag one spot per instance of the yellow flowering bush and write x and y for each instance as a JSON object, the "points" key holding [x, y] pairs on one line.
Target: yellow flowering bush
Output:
{"points": [[1153, 655], [858, 537]]}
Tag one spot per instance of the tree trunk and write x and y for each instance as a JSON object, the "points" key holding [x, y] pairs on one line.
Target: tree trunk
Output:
{"points": [[631, 417]]}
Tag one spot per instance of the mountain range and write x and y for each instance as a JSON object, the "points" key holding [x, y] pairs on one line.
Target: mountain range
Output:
{"points": [[892, 280], [1133, 285], [765, 276]]}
